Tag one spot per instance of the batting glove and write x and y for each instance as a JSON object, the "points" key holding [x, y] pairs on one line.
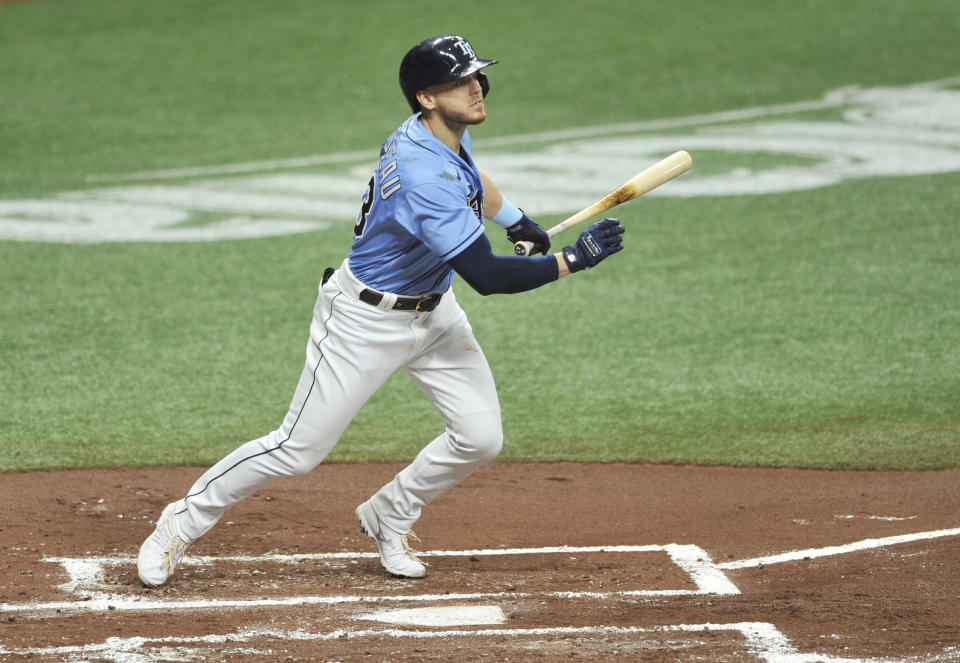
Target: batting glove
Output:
{"points": [[595, 243], [526, 230]]}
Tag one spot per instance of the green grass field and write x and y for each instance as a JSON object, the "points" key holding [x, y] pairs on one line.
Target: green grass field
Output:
{"points": [[813, 328]]}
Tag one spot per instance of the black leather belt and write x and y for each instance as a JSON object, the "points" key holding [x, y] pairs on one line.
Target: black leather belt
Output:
{"points": [[418, 304]]}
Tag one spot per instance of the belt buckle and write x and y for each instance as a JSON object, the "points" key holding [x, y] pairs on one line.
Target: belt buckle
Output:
{"points": [[430, 299]]}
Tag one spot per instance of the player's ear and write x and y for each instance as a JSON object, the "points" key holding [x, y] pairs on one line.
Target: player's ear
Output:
{"points": [[426, 100]]}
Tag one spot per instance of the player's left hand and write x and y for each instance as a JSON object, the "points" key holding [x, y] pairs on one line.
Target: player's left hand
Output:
{"points": [[595, 243], [527, 230]]}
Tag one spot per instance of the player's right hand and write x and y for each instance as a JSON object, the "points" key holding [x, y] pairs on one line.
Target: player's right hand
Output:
{"points": [[528, 230], [595, 243]]}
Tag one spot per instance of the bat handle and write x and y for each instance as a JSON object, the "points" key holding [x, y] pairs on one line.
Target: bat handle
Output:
{"points": [[523, 248]]}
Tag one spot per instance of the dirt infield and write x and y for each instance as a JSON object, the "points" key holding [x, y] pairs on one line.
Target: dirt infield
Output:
{"points": [[536, 562]]}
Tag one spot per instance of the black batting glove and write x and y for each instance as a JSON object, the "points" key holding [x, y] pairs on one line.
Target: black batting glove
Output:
{"points": [[595, 243], [527, 230]]}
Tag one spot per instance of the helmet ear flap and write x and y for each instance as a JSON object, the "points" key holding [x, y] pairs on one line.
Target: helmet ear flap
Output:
{"points": [[484, 82]]}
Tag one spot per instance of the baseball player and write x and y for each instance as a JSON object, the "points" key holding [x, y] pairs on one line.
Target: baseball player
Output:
{"points": [[390, 305]]}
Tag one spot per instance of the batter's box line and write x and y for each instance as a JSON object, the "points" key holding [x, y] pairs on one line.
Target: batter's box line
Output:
{"points": [[87, 577], [87, 572], [763, 640], [828, 551]]}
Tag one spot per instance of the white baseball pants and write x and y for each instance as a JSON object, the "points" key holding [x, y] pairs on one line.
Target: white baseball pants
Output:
{"points": [[354, 347]]}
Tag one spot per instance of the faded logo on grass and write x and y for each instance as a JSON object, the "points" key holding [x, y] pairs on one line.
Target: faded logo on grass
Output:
{"points": [[851, 133]]}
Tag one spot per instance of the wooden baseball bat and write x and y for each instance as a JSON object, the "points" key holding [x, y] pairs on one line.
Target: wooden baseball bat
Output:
{"points": [[644, 181]]}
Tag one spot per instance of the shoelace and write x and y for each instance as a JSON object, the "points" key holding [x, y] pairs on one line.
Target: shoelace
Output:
{"points": [[172, 555], [411, 553]]}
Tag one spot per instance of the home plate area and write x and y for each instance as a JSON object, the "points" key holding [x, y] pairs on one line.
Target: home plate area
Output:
{"points": [[527, 562], [538, 603]]}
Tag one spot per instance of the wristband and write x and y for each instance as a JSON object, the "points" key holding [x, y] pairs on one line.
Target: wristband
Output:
{"points": [[572, 259], [508, 215]]}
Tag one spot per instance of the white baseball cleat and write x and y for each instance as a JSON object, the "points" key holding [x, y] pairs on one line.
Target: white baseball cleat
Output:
{"points": [[396, 555], [161, 552]]}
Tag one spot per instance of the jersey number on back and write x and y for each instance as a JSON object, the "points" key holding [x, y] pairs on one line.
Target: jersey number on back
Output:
{"points": [[389, 185], [361, 223]]}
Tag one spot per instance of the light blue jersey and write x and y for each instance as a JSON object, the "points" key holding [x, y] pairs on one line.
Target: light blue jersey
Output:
{"points": [[423, 206]]}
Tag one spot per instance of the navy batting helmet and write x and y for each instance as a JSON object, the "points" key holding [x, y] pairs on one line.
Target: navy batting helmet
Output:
{"points": [[440, 60]]}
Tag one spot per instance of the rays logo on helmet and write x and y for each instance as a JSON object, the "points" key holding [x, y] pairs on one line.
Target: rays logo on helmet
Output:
{"points": [[465, 46]]}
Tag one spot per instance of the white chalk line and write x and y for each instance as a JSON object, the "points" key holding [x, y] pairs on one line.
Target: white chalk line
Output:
{"points": [[306, 557], [102, 602], [813, 553], [706, 575], [87, 573], [763, 640]]}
